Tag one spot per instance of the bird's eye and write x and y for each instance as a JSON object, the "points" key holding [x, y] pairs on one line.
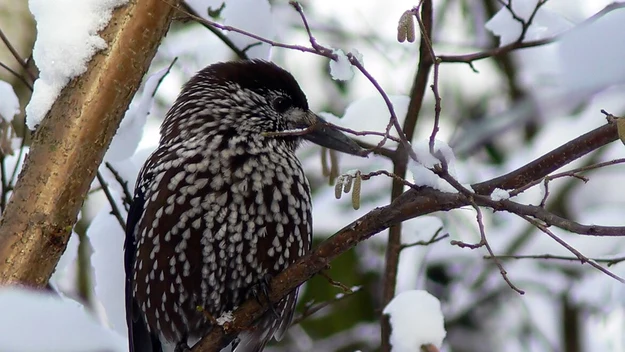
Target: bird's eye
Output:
{"points": [[282, 104]]}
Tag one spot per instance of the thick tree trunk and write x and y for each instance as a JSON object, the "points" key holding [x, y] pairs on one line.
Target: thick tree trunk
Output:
{"points": [[71, 141]]}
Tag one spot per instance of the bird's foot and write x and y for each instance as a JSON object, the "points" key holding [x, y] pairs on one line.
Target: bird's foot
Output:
{"points": [[261, 290], [182, 347]]}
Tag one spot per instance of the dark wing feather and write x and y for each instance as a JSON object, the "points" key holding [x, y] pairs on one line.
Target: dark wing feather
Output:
{"points": [[139, 338]]}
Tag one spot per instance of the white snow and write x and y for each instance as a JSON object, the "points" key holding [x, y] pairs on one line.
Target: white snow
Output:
{"points": [[499, 194], [589, 58], [420, 169], [411, 268], [107, 239], [253, 16], [543, 190], [33, 321], [67, 38], [226, 317], [341, 69], [130, 130], [353, 289], [64, 277], [605, 331], [370, 113], [9, 104], [545, 24], [416, 320]]}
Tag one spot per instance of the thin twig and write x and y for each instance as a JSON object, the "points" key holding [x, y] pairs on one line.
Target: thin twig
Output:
{"points": [[335, 283], [502, 271], [20, 77], [224, 38], [524, 24], [21, 152], [29, 85], [326, 53], [582, 258], [5, 186], [435, 238], [122, 183], [114, 209], [571, 173], [484, 243], [436, 63], [391, 175], [160, 80], [16, 55], [391, 154], [311, 309], [609, 261], [311, 38], [366, 133], [395, 121]]}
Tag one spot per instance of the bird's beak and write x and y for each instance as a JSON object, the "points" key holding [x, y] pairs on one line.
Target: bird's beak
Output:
{"points": [[326, 135]]}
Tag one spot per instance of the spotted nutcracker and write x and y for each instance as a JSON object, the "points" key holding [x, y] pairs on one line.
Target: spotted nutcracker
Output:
{"points": [[221, 206]]}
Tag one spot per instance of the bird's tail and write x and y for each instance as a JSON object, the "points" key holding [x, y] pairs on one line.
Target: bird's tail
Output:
{"points": [[255, 339]]}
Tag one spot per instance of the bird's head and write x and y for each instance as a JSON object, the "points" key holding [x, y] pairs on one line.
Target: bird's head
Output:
{"points": [[250, 98]]}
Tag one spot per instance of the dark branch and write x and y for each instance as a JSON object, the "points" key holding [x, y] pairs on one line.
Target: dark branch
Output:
{"points": [[551, 161]]}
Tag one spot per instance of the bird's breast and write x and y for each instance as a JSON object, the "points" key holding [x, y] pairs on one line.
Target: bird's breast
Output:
{"points": [[215, 224]]}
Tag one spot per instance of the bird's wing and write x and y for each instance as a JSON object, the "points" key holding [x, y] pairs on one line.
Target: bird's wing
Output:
{"points": [[287, 314], [269, 325], [254, 340], [139, 338]]}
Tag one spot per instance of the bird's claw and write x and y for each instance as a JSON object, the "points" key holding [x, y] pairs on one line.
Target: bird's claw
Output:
{"points": [[261, 289], [182, 347]]}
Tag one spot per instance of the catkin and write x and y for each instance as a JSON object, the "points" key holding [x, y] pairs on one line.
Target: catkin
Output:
{"points": [[356, 192]]}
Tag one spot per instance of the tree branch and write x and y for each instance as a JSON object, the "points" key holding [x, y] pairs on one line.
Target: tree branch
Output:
{"points": [[551, 161], [410, 204]]}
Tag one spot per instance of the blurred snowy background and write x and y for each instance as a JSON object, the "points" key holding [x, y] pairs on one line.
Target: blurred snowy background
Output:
{"points": [[497, 115]]}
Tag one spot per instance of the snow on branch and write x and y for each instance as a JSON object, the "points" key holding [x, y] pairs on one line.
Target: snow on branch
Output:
{"points": [[416, 320]]}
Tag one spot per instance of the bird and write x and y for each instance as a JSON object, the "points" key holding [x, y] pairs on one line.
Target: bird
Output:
{"points": [[221, 206]]}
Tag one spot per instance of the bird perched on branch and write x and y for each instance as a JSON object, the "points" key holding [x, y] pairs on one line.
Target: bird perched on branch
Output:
{"points": [[221, 206]]}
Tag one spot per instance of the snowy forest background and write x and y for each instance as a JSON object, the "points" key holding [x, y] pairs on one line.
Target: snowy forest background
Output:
{"points": [[516, 79]]}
